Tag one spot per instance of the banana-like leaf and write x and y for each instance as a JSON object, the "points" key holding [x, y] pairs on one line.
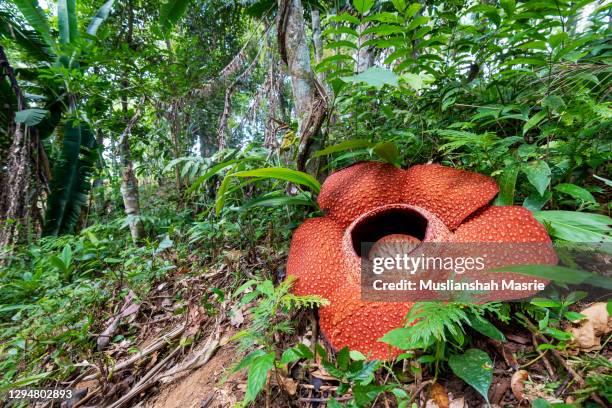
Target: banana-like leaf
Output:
{"points": [[67, 21], [282, 173], [100, 17], [36, 18], [71, 180], [171, 12], [31, 42], [343, 146], [31, 117], [278, 201]]}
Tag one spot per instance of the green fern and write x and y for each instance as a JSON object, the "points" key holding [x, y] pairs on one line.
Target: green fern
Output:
{"points": [[434, 321]]}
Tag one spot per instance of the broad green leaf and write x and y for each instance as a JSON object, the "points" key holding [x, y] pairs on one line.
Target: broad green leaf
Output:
{"points": [[412, 10], [343, 359], [559, 274], [540, 62], [574, 316], [385, 17], [343, 146], [374, 76], [67, 21], [277, 201], [214, 170], [220, 200], [363, 6], [283, 173], [554, 102], [576, 226], [418, 21], [507, 185], [71, 181], [576, 192], [345, 17], [296, 353], [508, 5], [341, 44], [171, 12], [400, 5], [36, 18], [557, 39], [333, 403], [414, 81], [538, 174], [357, 355], [31, 117], [543, 302], [387, 151], [400, 338], [533, 121], [475, 368], [540, 403], [535, 202], [483, 326], [258, 375], [58, 263], [100, 17], [382, 30]]}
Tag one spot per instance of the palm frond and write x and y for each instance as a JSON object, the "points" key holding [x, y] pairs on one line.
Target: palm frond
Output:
{"points": [[71, 180]]}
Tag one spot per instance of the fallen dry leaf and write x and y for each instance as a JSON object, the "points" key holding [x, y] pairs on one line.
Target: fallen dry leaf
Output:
{"points": [[236, 317], [598, 323], [288, 384], [439, 395], [457, 403], [518, 384]]}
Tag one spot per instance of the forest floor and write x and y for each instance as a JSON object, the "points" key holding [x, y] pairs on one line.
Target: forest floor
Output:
{"points": [[187, 354]]}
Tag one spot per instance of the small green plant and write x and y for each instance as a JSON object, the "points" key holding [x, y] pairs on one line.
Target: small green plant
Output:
{"points": [[438, 330], [549, 313], [271, 316]]}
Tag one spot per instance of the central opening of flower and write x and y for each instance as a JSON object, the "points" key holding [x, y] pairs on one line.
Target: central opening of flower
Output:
{"points": [[392, 224]]}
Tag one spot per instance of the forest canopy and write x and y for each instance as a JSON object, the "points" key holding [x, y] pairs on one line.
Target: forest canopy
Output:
{"points": [[156, 158]]}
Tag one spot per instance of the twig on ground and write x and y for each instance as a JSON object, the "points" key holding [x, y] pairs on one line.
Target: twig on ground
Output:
{"points": [[418, 391], [145, 382], [156, 345]]}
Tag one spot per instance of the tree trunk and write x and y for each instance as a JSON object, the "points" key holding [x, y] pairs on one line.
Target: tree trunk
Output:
{"points": [[129, 182], [317, 40], [16, 189], [308, 95], [365, 54]]}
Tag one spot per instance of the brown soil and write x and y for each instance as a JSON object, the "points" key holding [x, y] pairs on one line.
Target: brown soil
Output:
{"points": [[204, 387]]}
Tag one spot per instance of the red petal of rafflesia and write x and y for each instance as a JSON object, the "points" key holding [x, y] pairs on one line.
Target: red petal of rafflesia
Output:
{"points": [[355, 190], [349, 321], [505, 235], [449, 193], [316, 258]]}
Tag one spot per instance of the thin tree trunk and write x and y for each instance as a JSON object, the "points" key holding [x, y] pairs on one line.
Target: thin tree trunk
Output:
{"points": [[227, 108], [317, 40], [16, 190], [309, 96], [129, 182], [365, 54]]}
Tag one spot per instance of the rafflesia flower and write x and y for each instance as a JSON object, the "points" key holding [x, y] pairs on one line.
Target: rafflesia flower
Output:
{"points": [[374, 202]]}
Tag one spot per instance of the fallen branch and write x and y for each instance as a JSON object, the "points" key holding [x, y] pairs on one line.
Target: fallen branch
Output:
{"points": [[146, 381], [156, 345]]}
